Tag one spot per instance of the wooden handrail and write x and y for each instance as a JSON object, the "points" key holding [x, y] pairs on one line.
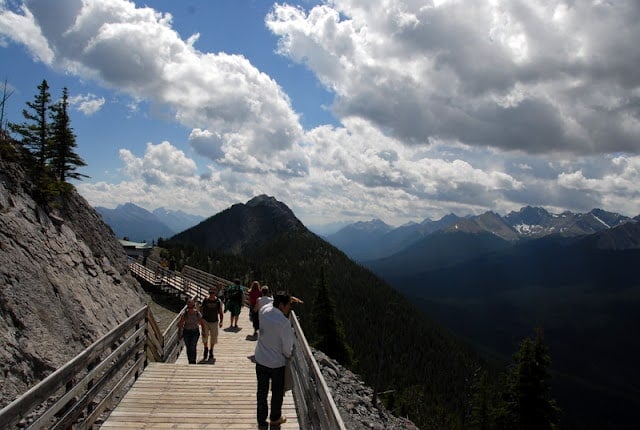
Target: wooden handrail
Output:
{"points": [[190, 282], [153, 273], [316, 408], [155, 339], [171, 340], [204, 280], [82, 378]]}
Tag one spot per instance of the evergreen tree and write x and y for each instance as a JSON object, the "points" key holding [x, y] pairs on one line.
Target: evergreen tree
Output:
{"points": [[480, 406], [328, 330], [35, 132], [528, 402], [64, 160]]}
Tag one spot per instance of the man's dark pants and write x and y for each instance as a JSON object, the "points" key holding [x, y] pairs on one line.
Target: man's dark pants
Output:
{"points": [[254, 319], [276, 376]]}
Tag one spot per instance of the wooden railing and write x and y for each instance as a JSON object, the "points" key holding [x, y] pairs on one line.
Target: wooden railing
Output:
{"points": [[171, 342], [81, 390], [158, 275], [314, 402], [190, 281], [204, 279]]}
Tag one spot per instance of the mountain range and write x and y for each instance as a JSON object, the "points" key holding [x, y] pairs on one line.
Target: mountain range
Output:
{"points": [[374, 239], [139, 225]]}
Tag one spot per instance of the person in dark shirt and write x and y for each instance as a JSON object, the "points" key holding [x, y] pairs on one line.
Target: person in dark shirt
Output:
{"points": [[234, 298], [212, 313]]}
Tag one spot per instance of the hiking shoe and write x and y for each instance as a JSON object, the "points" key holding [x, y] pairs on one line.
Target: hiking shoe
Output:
{"points": [[279, 421]]}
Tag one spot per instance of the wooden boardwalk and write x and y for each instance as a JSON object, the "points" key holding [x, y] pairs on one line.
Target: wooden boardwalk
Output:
{"points": [[221, 395]]}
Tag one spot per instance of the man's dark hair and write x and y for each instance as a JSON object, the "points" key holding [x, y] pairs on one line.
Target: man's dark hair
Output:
{"points": [[281, 298]]}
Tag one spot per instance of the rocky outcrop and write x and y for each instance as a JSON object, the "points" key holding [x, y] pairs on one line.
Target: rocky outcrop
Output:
{"points": [[63, 282], [354, 399]]}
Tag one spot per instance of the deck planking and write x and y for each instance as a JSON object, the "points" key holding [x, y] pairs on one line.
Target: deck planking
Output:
{"points": [[221, 395]]}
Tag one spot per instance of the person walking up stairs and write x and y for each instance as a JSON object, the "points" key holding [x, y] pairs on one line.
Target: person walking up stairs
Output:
{"points": [[213, 315]]}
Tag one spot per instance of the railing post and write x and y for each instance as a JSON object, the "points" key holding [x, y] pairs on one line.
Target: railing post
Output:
{"points": [[90, 367], [146, 343], [68, 387], [137, 354]]}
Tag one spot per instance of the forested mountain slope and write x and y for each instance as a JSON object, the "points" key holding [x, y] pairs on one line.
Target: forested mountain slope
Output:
{"points": [[583, 291], [437, 250]]}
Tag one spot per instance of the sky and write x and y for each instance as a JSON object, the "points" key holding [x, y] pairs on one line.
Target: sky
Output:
{"points": [[344, 110]]}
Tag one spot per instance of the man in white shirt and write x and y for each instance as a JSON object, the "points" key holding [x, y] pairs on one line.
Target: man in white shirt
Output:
{"points": [[274, 347]]}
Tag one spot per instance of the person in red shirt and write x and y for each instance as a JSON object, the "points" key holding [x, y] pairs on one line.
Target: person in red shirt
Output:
{"points": [[254, 294]]}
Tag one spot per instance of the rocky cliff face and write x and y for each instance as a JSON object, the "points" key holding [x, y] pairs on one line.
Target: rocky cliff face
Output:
{"points": [[63, 282], [354, 399]]}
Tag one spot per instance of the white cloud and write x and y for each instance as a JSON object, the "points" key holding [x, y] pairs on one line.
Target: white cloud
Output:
{"points": [[206, 143], [20, 27], [135, 50], [358, 176], [162, 164], [442, 106], [540, 77], [361, 152], [615, 188], [88, 104]]}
